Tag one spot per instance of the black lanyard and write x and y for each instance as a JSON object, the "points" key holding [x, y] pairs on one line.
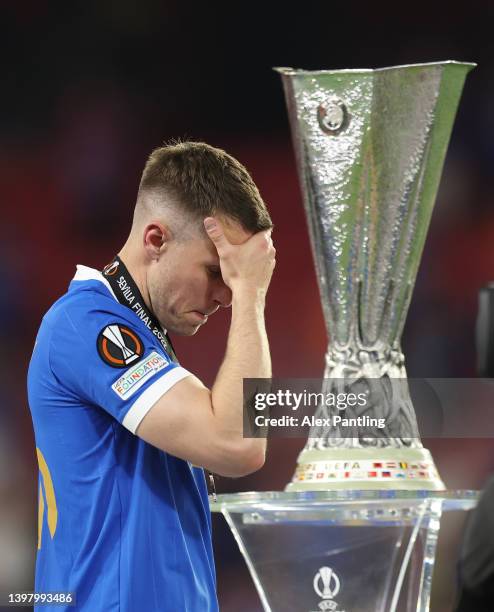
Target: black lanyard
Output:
{"points": [[128, 294]]}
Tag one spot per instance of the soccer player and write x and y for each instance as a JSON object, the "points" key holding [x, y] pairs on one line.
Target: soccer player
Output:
{"points": [[123, 431]]}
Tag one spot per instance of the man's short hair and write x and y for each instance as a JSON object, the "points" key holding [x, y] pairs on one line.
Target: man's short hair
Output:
{"points": [[206, 181]]}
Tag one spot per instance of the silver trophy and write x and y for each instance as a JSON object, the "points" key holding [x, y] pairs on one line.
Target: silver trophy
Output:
{"points": [[357, 528], [370, 146]]}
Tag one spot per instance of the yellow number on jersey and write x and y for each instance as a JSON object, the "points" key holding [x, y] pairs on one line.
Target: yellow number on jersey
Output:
{"points": [[46, 483]]}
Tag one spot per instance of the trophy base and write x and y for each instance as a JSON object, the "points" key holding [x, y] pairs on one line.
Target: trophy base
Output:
{"points": [[358, 551], [353, 551], [366, 468]]}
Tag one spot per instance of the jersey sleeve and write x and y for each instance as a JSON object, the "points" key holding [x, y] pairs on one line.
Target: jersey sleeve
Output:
{"points": [[112, 361]]}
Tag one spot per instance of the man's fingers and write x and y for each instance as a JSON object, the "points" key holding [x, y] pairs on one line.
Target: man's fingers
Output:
{"points": [[215, 232]]}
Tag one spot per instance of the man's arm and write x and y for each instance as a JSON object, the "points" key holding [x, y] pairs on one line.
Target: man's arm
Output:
{"points": [[206, 427]]}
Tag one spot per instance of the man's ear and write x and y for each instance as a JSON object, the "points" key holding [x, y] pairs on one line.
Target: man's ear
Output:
{"points": [[155, 238]]}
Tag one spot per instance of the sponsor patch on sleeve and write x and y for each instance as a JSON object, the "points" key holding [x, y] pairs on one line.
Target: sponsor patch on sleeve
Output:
{"points": [[138, 374]]}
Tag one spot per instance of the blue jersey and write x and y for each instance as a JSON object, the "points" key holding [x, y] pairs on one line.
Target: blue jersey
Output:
{"points": [[121, 524]]}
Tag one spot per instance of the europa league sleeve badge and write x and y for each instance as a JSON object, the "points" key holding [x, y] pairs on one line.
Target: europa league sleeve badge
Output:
{"points": [[119, 346]]}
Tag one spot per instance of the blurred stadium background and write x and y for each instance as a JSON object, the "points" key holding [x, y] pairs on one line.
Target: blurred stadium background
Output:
{"points": [[88, 89]]}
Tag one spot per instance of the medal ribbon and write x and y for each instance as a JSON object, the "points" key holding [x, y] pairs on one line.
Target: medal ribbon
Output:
{"points": [[128, 294]]}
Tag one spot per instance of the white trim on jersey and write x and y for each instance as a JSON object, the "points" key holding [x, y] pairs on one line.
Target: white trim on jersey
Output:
{"points": [[85, 273], [151, 395]]}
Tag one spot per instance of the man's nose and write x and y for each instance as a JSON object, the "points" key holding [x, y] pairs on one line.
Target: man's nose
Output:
{"points": [[223, 295]]}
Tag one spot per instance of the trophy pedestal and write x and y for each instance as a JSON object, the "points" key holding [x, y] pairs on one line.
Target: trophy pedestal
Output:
{"points": [[344, 550]]}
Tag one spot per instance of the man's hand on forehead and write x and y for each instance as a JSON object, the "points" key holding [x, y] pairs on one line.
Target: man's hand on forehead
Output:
{"points": [[247, 260]]}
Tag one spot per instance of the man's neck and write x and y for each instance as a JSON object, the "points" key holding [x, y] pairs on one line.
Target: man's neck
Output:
{"points": [[138, 272]]}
